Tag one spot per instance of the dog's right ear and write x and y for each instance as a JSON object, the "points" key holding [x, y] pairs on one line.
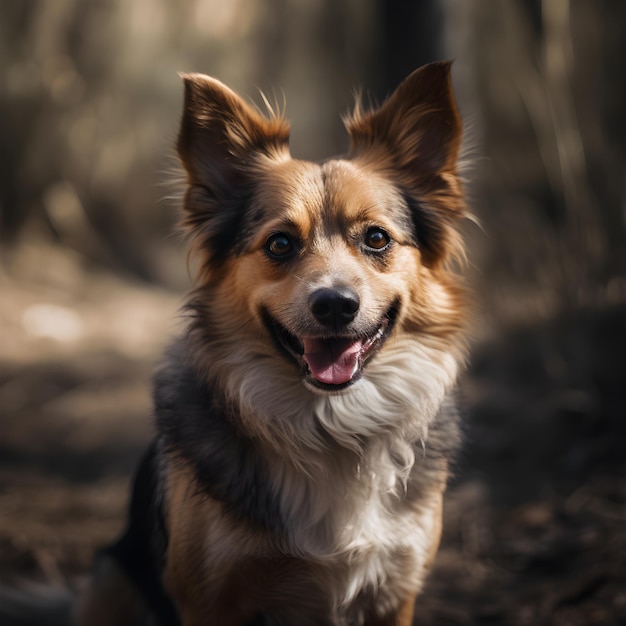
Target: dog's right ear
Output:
{"points": [[222, 143], [221, 136]]}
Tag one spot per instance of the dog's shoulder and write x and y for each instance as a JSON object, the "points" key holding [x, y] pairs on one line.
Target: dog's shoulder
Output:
{"points": [[196, 427]]}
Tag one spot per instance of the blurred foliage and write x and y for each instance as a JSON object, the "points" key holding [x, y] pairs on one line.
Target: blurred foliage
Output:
{"points": [[91, 99], [550, 192], [90, 102]]}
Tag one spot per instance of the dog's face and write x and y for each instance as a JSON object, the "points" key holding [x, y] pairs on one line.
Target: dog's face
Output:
{"points": [[330, 261], [325, 269]]}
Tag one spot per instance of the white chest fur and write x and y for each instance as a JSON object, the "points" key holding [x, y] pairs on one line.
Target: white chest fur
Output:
{"points": [[361, 521]]}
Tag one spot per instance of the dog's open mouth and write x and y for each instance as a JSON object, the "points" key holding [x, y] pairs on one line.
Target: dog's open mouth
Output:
{"points": [[332, 362]]}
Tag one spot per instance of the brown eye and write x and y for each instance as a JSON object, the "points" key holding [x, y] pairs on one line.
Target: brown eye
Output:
{"points": [[279, 245], [376, 238]]}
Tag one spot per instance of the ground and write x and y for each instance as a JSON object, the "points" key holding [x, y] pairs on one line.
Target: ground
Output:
{"points": [[535, 517]]}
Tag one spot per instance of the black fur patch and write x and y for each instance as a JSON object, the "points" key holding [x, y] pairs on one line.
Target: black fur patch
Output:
{"points": [[217, 222], [141, 550], [444, 441], [194, 423], [429, 226]]}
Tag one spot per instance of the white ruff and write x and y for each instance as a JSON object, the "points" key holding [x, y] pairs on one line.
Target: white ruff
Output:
{"points": [[401, 391], [341, 462]]}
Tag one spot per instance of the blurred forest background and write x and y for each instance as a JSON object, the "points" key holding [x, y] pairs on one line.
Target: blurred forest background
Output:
{"points": [[91, 277]]}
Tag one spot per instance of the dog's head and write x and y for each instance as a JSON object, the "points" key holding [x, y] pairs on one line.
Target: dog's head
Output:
{"points": [[333, 261]]}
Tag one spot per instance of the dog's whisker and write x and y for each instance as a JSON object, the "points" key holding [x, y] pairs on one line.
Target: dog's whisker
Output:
{"points": [[307, 283]]}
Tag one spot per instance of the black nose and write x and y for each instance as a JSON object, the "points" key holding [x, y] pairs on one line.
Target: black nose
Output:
{"points": [[334, 307]]}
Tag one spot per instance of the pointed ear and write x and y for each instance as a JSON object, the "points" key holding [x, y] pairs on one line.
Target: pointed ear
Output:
{"points": [[220, 135], [414, 139], [418, 125], [222, 143]]}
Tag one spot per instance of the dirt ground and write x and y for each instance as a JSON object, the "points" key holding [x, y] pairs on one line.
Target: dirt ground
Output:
{"points": [[535, 520]]}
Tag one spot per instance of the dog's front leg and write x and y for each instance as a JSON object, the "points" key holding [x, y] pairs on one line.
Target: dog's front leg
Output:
{"points": [[432, 518], [405, 614], [402, 617], [208, 571]]}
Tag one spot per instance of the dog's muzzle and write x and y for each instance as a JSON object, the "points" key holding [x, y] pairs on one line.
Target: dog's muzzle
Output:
{"points": [[335, 359]]}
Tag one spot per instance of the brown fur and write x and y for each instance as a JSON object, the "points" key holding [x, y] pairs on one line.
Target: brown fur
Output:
{"points": [[248, 575]]}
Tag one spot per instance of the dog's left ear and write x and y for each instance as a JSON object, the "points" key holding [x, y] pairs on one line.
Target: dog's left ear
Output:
{"points": [[414, 137]]}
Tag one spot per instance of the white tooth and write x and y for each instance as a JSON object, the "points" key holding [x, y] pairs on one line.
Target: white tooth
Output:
{"points": [[355, 369]]}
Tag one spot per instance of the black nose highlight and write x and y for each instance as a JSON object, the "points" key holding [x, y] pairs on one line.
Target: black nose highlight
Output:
{"points": [[334, 307]]}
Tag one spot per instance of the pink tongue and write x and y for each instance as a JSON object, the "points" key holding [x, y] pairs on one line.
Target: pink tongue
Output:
{"points": [[332, 362]]}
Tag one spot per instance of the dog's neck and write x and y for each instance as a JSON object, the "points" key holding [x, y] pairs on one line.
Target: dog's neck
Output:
{"points": [[398, 397], [301, 463]]}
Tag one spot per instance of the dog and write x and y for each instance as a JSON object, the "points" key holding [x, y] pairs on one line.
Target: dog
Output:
{"points": [[306, 420]]}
